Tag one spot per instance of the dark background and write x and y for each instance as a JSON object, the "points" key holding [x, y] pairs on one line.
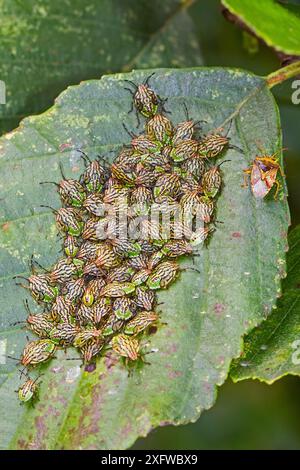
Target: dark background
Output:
{"points": [[248, 415]]}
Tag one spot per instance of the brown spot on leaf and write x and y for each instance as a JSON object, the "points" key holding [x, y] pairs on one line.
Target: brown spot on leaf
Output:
{"points": [[219, 308], [5, 226], [64, 146], [236, 235], [173, 374]]}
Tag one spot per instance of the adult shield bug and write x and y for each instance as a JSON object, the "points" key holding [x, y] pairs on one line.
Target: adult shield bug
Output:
{"points": [[263, 175]]}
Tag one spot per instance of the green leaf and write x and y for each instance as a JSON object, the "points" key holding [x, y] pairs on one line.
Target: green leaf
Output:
{"points": [[206, 313], [277, 25], [46, 45], [273, 349]]}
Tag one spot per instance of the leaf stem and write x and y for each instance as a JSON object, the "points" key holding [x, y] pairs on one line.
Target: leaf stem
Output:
{"points": [[280, 75]]}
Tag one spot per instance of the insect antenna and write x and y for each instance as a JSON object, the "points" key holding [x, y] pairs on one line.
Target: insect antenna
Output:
{"points": [[14, 358], [62, 171], [224, 161], [84, 156], [235, 147], [49, 182], [229, 128], [49, 207], [17, 323], [131, 83], [103, 160], [40, 266], [21, 277], [26, 305], [146, 82], [186, 112], [190, 268], [24, 372], [131, 134]]}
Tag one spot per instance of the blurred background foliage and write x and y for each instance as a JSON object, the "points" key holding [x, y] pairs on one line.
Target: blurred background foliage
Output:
{"points": [[249, 414]]}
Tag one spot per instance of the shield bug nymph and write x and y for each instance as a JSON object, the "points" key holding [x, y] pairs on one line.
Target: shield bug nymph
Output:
{"points": [[212, 145], [39, 287], [144, 98], [71, 191], [36, 352], [140, 322], [68, 220], [126, 346], [212, 181], [94, 175], [117, 289], [185, 130], [71, 246], [40, 324], [28, 390], [159, 128]]}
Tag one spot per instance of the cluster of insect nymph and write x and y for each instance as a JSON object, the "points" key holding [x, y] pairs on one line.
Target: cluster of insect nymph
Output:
{"points": [[101, 295]]}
